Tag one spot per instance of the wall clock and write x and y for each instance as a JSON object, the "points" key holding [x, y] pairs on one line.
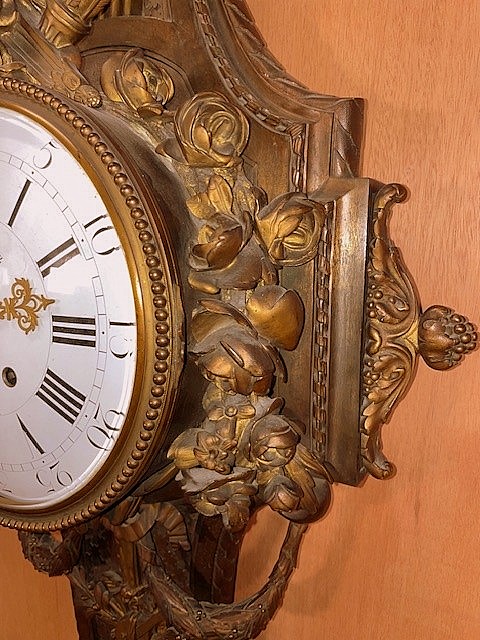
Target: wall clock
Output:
{"points": [[247, 325]]}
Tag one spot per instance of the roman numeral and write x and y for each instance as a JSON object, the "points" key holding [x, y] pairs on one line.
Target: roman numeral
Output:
{"points": [[58, 256], [30, 437], [72, 330], [61, 397], [19, 202]]}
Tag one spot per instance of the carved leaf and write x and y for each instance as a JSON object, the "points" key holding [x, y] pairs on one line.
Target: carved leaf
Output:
{"points": [[182, 449], [220, 194], [200, 206], [277, 314], [220, 247]]}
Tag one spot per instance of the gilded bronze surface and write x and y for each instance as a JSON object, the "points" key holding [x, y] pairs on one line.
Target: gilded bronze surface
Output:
{"points": [[290, 328]]}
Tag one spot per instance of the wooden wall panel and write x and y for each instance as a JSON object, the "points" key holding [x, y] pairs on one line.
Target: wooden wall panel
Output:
{"points": [[399, 559], [32, 606], [396, 560]]}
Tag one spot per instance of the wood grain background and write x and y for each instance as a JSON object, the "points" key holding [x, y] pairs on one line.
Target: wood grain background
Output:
{"points": [[397, 560]]}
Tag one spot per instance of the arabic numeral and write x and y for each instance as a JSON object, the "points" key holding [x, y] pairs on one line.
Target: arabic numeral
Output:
{"points": [[104, 429], [54, 478], [120, 345], [43, 157], [104, 240]]}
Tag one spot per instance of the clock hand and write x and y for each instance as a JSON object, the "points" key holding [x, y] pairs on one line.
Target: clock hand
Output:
{"points": [[19, 202], [29, 436], [23, 306]]}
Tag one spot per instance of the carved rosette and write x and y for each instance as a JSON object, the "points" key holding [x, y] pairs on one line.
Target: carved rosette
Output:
{"points": [[396, 331], [132, 79]]}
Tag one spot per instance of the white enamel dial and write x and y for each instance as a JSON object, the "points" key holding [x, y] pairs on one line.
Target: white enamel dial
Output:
{"points": [[67, 320]]}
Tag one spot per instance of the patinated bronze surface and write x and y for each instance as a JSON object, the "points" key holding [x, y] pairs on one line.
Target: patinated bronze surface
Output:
{"points": [[301, 328]]}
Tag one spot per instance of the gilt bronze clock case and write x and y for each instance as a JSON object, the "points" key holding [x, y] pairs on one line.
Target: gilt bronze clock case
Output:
{"points": [[277, 327]]}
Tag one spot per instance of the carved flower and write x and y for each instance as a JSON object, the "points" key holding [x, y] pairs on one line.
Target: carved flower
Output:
{"points": [[228, 407], [213, 494], [227, 411], [226, 254], [236, 362], [290, 227], [211, 131], [194, 447], [219, 243], [215, 452], [282, 494], [273, 441], [228, 353], [132, 79]]}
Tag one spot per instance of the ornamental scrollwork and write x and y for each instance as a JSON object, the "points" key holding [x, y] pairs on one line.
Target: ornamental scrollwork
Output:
{"points": [[391, 324], [397, 332]]}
